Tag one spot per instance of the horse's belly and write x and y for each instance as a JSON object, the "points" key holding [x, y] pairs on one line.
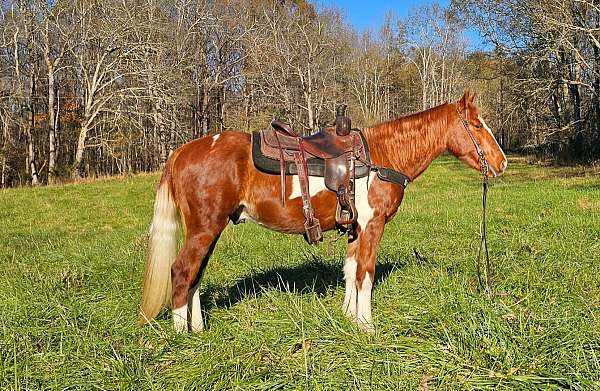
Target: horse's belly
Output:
{"points": [[262, 203]]}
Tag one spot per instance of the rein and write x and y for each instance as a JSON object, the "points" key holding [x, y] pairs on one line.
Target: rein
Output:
{"points": [[483, 247]]}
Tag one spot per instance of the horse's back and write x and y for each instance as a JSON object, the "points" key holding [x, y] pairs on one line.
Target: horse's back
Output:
{"points": [[210, 169], [229, 143]]}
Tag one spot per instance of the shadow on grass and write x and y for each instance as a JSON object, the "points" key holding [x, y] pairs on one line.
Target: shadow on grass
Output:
{"points": [[310, 277], [585, 187]]}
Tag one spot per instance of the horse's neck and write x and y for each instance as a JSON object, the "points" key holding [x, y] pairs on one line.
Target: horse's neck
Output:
{"points": [[409, 144]]}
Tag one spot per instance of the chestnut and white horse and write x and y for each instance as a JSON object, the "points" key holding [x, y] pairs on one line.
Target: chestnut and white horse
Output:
{"points": [[212, 180]]}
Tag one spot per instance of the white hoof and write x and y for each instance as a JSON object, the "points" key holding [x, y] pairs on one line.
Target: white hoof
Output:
{"points": [[366, 327], [197, 327], [349, 311], [180, 319]]}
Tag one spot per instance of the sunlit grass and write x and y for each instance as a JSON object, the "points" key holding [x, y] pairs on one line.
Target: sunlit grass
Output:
{"points": [[72, 262]]}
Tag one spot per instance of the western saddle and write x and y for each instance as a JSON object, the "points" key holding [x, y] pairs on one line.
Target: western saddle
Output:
{"points": [[339, 154]]}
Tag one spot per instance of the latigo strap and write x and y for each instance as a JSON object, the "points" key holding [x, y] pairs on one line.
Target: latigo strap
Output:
{"points": [[312, 227]]}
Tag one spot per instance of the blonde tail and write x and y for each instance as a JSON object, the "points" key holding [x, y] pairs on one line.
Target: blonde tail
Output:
{"points": [[162, 251]]}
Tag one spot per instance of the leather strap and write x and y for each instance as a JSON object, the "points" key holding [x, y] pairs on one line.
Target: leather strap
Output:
{"points": [[281, 171], [393, 176], [312, 227], [303, 179]]}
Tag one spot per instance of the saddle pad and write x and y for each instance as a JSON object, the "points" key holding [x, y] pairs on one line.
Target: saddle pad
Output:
{"points": [[316, 166]]}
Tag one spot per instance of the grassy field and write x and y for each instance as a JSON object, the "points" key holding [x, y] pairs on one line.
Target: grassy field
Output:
{"points": [[72, 260]]}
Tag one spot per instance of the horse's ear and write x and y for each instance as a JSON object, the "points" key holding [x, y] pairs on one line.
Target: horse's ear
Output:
{"points": [[467, 99], [471, 96], [462, 103]]}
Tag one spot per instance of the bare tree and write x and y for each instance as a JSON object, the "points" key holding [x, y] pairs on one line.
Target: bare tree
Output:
{"points": [[20, 48], [437, 50], [101, 58], [54, 48], [294, 58]]}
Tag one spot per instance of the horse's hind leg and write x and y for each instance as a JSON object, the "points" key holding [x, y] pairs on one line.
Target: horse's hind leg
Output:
{"points": [[194, 307], [187, 270]]}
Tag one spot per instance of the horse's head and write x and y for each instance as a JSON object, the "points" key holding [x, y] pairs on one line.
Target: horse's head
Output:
{"points": [[466, 114]]}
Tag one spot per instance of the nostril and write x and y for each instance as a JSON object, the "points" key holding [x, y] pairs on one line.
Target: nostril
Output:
{"points": [[504, 164]]}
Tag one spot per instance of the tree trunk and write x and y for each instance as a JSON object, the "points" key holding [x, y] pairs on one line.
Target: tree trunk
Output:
{"points": [[311, 113], [204, 110], [596, 85], [160, 129], [35, 180], [76, 171], [577, 139], [4, 147], [247, 109], [3, 178], [51, 126]]}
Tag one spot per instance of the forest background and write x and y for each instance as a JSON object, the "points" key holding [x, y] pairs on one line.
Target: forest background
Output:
{"points": [[93, 88]]}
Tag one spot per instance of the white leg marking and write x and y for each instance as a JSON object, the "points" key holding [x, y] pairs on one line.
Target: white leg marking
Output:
{"points": [[349, 306], [363, 315], [215, 138], [197, 321], [180, 319], [361, 200], [315, 185]]}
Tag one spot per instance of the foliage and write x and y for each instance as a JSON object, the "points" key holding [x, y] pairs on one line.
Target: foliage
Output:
{"points": [[550, 53], [113, 87]]}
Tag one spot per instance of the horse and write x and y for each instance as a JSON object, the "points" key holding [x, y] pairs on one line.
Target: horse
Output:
{"points": [[211, 181]]}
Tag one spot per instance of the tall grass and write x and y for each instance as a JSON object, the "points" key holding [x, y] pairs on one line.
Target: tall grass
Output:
{"points": [[72, 261]]}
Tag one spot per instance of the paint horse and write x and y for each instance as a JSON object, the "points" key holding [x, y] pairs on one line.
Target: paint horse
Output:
{"points": [[212, 180]]}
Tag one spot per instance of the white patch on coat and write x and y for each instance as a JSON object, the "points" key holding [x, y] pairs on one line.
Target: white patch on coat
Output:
{"points": [[180, 318], [315, 185], [363, 307], [361, 200], [349, 305], [197, 323], [215, 138], [245, 216], [487, 128]]}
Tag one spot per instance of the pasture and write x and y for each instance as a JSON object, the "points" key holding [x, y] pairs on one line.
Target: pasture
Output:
{"points": [[72, 260]]}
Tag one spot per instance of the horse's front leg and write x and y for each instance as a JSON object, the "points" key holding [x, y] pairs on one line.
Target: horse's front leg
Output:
{"points": [[366, 256]]}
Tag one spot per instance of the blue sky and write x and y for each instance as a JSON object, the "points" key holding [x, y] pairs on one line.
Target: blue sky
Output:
{"points": [[369, 14]]}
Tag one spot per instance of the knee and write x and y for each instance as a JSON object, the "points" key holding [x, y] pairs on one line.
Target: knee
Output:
{"points": [[365, 273]]}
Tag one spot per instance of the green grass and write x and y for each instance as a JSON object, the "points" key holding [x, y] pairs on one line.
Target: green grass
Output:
{"points": [[72, 260]]}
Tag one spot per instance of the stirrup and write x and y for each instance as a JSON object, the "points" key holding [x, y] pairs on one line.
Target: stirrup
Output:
{"points": [[346, 213], [313, 233]]}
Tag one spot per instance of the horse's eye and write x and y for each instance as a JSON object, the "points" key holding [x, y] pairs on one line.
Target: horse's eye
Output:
{"points": [[478, 126]]}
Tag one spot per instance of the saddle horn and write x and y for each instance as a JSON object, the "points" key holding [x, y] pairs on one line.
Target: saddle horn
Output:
{"points": [[343, 125]]}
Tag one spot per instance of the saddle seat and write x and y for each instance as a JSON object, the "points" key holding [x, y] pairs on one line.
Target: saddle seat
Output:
{"points": [[325, 144]]}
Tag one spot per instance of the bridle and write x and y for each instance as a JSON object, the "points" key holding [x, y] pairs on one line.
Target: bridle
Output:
{"points": [[483, 247]]}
